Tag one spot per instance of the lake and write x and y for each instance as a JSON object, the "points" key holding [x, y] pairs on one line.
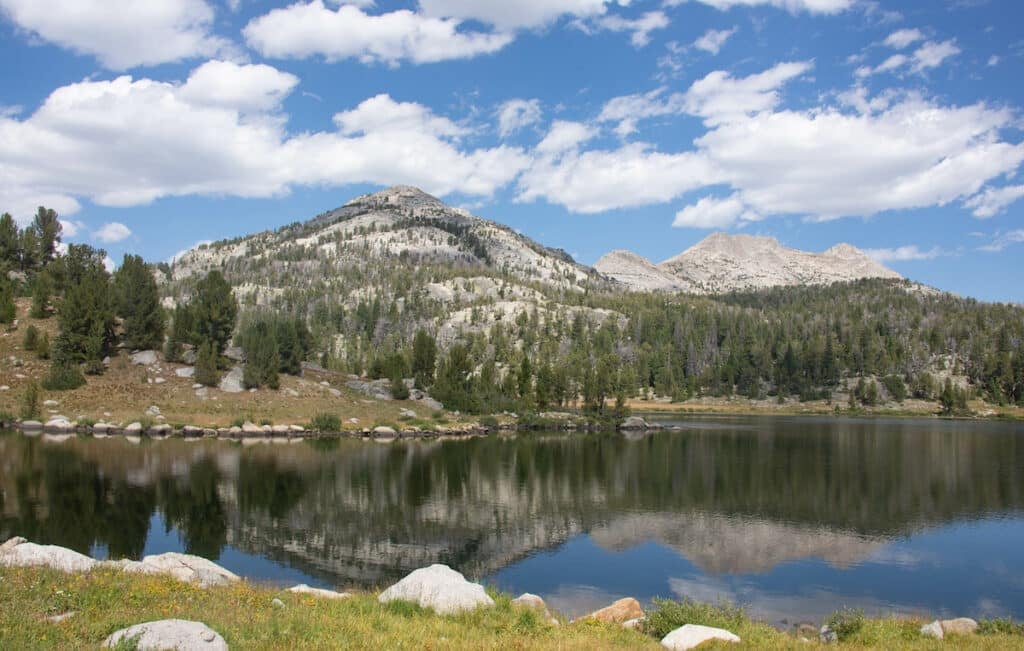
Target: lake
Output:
{"points": [[792, 517]]}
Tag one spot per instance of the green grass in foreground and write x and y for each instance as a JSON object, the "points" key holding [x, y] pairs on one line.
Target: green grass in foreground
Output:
{"points": [[106, 601]]}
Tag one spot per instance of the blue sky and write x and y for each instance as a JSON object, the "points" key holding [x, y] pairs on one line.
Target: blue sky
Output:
{"points": [[589, 125]]}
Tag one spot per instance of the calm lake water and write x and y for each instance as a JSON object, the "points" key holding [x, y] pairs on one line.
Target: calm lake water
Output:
{"points": [[794, 517]]}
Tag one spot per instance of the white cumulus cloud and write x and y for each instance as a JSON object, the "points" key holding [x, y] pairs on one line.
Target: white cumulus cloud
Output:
{"points": [[516, 15], [111, 233], [712, 212], [97, 140], [122, 33], [792, 6], [903, 37], [993, 201], [516, 114], [1004, 240], [713, 40], [907, 253], [639, 28]]}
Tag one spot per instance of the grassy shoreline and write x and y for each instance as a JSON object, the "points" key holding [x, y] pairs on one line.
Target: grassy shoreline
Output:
{"points": [[244, 613]]}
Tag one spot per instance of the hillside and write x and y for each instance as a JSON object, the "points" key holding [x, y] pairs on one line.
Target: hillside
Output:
{"points": [[725, 263]]}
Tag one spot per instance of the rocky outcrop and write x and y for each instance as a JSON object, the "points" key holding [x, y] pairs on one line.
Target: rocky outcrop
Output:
{"points": [[691, 636], [638, 273], [176, 634], [439, 588], [232, 381]]}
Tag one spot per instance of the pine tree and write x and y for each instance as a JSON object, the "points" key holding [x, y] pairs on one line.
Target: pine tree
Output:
{"points": [[262, 357], [213, 309], [30, 402], [206, 365], [9, 243], [138, 304], [47, 230], [86, 315], [424, 359], [7, 308], [42, 291]]}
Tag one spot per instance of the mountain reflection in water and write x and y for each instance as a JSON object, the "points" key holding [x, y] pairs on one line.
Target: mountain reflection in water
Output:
{"points": [[781, 513]]}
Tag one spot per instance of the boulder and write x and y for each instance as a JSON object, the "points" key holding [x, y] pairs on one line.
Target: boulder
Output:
{"points": [[31, 425], [17, 552], [439, 588], [693, 635], [145, 357], [187, 371], [133, 429], [827, 636], [280, 429], [633, 423], [384, 431], [191, 431], [933, 630], [532, 601], [235, 353], [50, 403], [176, 634], [232, 381], [619, 612], [959, 626], [59, 424], [251, 428], [187, 568], [318, 592]]}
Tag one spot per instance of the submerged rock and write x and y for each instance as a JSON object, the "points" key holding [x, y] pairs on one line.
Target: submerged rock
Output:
{"points": [[619, 612], [18, 552], [691, 636], [176, 634], [439, 588]]}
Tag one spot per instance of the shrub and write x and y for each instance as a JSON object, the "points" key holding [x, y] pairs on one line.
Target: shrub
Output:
{"points": [[326, 423], [30, 402], [206, 365], [896, 387], [398, 389], [63, 377], [846, 623], [42, 347], [31, 338], [1004, 626], [669, 615]]}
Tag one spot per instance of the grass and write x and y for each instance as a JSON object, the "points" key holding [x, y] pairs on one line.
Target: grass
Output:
{"points": [[105, 601]]}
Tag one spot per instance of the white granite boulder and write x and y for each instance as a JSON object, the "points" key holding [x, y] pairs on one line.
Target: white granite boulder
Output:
{"points": [[693, 635], [439, 588], [145, 357], [176, 634], [302, 588], [187, 568], [17, 552], [232, 381]]}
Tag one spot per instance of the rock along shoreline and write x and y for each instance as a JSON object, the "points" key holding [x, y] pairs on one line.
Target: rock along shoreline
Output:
{"points": [[64, 426]]}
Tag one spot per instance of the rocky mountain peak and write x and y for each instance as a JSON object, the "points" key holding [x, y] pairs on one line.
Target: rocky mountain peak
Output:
{"points": [[400, 196], [723, 262]]}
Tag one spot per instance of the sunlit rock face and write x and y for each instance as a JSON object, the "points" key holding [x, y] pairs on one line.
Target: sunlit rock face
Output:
{"points": [[723, 263]]}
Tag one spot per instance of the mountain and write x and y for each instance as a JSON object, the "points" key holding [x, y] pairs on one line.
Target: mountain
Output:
{"points": [[398, 259], [723, 263]]}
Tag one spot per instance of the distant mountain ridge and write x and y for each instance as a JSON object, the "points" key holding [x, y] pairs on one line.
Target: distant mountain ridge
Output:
{"points": [[723, 263]]}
